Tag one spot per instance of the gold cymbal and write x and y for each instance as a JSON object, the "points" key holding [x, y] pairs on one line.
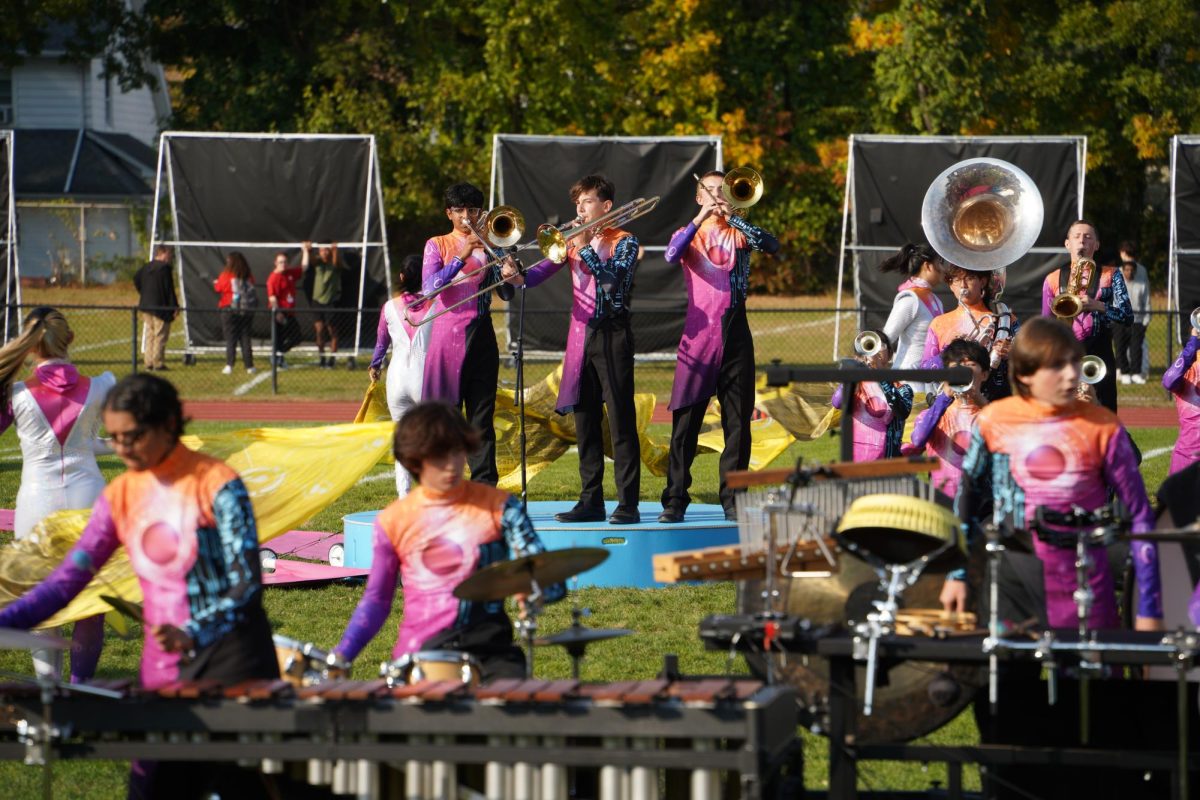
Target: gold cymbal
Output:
{"points": [[517, 575]]}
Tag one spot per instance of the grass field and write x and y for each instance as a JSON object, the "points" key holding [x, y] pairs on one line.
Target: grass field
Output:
{"points": [[665, 619], [797, 330]]}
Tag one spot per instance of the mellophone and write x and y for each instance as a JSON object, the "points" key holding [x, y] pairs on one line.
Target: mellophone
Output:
{"points": [[526, 732]]}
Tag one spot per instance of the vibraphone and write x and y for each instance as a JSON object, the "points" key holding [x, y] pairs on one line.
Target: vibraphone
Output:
{"points": [[1127, 700], [526, 733]]}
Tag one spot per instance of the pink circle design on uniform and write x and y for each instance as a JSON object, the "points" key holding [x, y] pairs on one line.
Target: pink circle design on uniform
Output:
{"points": [[442, 557], [1045, 462], [961, 441], [160, 543], [719, 256]]}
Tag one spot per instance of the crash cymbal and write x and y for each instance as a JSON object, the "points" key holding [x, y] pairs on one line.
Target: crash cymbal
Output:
{"points": [[577, 634], [516, 576], [13, 639]]}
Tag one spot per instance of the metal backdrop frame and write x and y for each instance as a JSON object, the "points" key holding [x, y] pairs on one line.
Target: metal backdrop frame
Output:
{"points": [[12, 260], [374, 186], [496, 195], [848, 201]]}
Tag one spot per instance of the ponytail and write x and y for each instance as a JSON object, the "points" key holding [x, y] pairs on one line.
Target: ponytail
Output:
{"points": [[46, 332], [910, 259]]}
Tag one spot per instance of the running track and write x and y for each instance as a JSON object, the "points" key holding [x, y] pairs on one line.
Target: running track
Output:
{"points": [[334, 412]]}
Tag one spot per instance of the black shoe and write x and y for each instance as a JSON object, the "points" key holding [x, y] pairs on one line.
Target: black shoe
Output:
{"points": [[581, 514], [731, 515], [625, 516], [671, 515]]}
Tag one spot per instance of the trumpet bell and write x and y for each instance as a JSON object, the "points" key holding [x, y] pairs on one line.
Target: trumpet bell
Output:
{"points": [[504, 226], [1195, 318], [742, 187], [1092, 370], [867, 343], [982, 214]]}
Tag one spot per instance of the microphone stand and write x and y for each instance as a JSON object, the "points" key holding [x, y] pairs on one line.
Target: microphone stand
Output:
{"points": [[520, 365]]}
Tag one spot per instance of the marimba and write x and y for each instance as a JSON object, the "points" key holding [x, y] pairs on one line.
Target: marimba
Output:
{"points": [[526, 733]]}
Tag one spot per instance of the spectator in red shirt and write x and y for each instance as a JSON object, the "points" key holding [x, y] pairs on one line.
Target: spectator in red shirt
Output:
{"points": [[281, 297], [238, 300]]}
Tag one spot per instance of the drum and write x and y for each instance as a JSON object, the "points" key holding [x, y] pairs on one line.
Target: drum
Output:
{"points": [[431, 665], [300, 663], [913, 698]]}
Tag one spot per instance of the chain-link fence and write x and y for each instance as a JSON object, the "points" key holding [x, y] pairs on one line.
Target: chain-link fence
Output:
{"points": [[110, 338]]}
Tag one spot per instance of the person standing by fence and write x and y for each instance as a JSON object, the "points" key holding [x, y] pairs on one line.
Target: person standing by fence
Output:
{"points": [[281, 297], [159, 305], [238, 300], [1128, 338]]}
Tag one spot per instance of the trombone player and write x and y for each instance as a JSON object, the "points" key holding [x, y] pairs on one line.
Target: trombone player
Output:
{"points": [[714, 251], [598, 364], [462, 365], [1090, 299]]}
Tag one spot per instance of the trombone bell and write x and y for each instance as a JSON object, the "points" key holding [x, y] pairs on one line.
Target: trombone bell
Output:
{"points": [[742, 187], [503, 226], [1195, 318], [982, 214], [1092, 370]]}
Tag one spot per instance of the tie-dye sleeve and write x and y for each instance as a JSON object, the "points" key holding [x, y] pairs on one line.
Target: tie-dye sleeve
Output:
{"points": [[1121, 473], [756, 237], [235, 577], [523, 541], [383, 340], [899, 398], [1119, 309], [1175, 373], [98, 541], [974, 491], [372, 610]]}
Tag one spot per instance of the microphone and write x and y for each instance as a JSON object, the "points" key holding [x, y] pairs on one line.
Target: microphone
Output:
{"points": [[83, 560]]}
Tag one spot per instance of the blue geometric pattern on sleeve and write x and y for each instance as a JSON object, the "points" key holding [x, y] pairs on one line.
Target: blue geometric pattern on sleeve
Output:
{"points": [[226, 575]]}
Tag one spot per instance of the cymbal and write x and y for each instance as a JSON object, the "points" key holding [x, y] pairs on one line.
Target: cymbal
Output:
{"points": [[14, 639], [516, 576], [1179, 535], [577, 634]]}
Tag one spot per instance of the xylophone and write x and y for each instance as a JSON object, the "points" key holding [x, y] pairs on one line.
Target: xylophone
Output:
{"points": [[526, 733]]}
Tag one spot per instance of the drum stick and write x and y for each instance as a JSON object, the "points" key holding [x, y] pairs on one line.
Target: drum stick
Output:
{"points": [[83, 560]]}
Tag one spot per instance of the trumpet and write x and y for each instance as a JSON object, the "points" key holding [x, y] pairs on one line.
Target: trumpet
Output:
{"points": [[1195, 318], [1092, 370], [553, 241], [868, 343], [1069, 304], [502, 227]]}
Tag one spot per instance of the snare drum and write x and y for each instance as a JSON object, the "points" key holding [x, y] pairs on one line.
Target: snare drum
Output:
{"points": [[431, 665], [300, 663]]}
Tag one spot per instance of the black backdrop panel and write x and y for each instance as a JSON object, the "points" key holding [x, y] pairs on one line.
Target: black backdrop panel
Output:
{"points": [[275, 190], [1187, 230], [535, 175], [890, 180]]}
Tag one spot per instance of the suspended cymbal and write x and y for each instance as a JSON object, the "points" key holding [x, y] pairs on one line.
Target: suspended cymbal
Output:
{"points": [[13, 639], [516, 576], [578, 634]]}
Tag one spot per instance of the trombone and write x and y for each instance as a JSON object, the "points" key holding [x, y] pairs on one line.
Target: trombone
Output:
{"points": [[502, 227]]}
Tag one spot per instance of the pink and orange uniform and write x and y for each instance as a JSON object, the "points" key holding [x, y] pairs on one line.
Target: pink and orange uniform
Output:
{"points": [[188, 527], [450, 336], [1025, 454], [969, 323], [1182, 379], [434, 541], [944, 431]]}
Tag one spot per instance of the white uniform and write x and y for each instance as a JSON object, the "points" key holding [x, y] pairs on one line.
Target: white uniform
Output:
{"points": [[406, 371], [56, 477]]}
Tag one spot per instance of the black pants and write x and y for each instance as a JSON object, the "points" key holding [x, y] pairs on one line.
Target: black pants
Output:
{"points": [[245, 653], [287, 331], [735, 391], [607, 378], [1101, 344], [1127, 339], [477, 388], [236, 327]]}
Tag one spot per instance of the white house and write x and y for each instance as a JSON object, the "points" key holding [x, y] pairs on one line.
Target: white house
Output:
{"points": [[84, 158]]}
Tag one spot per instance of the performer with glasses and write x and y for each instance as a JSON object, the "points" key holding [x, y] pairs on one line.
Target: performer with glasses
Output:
{"points": [[598, 365], [981, 317], [186, 523], [716, 351], [462, 365]]}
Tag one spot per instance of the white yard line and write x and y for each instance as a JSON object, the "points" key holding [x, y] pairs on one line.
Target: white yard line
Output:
{"points": [[1156, 452], [795, 326], [380, 476]]}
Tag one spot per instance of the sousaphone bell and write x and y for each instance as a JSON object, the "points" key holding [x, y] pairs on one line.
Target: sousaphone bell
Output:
{"points": [[982, 214]]}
